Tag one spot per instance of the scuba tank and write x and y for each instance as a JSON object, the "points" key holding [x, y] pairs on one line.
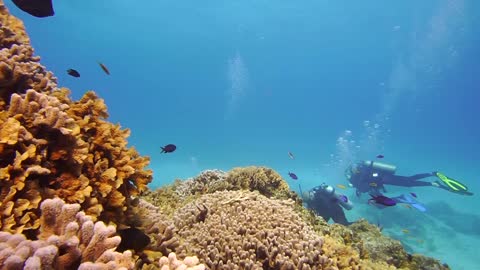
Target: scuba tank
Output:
{"points": [[339, 198], [380, 167]]}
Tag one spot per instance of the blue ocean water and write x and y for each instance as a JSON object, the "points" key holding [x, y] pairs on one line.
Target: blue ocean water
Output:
{"points": [[237, 83]]}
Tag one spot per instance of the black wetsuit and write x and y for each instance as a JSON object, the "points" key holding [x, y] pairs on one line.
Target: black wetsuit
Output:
{"points": [[326, 207], [365, 181], [406, 181]]}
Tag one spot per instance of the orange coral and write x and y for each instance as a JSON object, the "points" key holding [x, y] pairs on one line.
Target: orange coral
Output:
{"points": [[51, 146], [19, 69]]}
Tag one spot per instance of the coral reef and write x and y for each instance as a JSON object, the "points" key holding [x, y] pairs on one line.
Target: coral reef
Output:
{"points": [[158, 226], [382, 248], [262, 179], [205, 221], [203, 183], [231, 229], [54, 147], [19, 69], [51, 146], [171, 262], [166, 198], [371, 244], [68, 239]]}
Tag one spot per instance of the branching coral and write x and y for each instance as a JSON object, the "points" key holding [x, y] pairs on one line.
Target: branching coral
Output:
{"points": [[262, 179], [51, 146], [155, 224], [172, 263], [247, 230], [19, 69], [68, 239], [12, 30]]}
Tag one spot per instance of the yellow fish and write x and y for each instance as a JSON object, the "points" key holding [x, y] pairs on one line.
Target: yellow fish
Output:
{"points": [[373, 184], [420, 241], [405, 231], [341, 186], [408, 206]]}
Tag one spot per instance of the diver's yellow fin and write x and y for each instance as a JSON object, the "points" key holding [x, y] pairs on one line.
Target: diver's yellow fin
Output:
{"points": [[451, 183]]}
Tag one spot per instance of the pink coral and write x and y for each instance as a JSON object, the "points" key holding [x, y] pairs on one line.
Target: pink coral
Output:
{"points": [[172, 263], [67, 239]]}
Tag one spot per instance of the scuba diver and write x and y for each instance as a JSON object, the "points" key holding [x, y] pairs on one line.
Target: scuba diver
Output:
{"points": [[327, 203], [371, 176]]}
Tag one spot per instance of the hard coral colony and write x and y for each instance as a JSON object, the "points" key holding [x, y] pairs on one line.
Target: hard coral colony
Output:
{"points": [[70, 186]]}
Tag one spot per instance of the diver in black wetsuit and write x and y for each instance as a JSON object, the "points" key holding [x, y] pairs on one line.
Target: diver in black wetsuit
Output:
{"points": [[328, 204], [369, 176]]}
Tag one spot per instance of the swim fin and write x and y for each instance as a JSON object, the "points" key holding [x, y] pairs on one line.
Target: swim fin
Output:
{"points": [[452, 184]]}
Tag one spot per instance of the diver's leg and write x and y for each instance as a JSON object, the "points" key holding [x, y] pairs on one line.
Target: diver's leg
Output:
{"points": [[406, 181], [323, 211], [420, 176], [339, 216]]}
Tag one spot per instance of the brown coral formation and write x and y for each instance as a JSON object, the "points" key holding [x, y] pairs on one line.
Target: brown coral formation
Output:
{"points": [[246, 230], [51, 146], [382, 248], [206, 182], [19, 68], [68, 239], [152, 222], [262, 179]]}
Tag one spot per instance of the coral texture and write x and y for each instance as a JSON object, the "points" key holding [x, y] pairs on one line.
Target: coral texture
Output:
{"points": [[171, 262], [152, 222], [262, 179], [68, 239], [52, 146], [203, 183], [382, 248], [246, 230], [19, 68]]}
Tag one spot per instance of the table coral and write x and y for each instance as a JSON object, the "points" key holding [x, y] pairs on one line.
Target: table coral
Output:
{"points": [[52, 146], [68, 239]]}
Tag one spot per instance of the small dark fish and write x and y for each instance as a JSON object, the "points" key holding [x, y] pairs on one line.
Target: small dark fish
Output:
{"points": [[37, 8], [413, 194], [72, 72], [132, 238], [293, 176], [104, 68], [383, 200], [169, 148], [380, 156], [291, 155]]}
